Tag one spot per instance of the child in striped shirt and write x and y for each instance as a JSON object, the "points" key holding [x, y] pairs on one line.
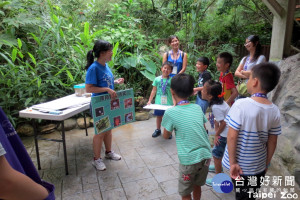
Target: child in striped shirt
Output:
{"points": [[254, 125], [193, 147]]}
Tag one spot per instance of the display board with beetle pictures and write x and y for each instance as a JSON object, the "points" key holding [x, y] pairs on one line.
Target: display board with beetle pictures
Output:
{"points": [[110, 113]]}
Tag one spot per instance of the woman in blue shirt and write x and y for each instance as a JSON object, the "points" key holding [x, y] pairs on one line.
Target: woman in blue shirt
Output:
{"points": [[176, 56], [100, 80]]}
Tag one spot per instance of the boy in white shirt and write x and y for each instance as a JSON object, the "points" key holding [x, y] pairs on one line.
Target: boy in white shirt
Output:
{"points": [[254, 125]]}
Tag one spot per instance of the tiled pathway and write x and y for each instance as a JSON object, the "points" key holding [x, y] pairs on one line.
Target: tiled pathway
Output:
{"points": [[148, 169]]}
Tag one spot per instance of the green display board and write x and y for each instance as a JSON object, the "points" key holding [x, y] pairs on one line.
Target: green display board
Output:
{"points": [[110, 113]]}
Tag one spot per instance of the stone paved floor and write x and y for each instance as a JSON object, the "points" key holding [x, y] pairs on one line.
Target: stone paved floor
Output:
{"points": [[148, 169]]}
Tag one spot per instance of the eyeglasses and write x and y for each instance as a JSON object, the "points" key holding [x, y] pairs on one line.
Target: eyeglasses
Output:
{"points": [[247, 43]]}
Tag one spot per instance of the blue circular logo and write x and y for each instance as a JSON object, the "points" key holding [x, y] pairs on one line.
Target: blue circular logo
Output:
{"points": [[221, 183]]}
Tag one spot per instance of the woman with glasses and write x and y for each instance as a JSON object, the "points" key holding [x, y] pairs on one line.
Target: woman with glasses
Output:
{"points": [[254, 57]]}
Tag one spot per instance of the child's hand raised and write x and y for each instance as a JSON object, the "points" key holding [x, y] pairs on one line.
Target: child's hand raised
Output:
{"points": [[119, 81], [195, 91]]}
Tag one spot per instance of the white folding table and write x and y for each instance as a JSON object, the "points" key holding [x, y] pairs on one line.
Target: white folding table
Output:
{"points": [[68, 106]]}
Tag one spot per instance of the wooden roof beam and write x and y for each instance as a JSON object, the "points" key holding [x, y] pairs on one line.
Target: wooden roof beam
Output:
{"points": [[282, 27], [274, 7]]}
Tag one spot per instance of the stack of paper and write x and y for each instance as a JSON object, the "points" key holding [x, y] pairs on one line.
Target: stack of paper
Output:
{"points": [[63, 103], [157, 107]]}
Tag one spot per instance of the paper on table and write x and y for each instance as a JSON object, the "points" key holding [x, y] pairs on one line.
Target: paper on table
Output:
{"points": [[157, 107], [63, 103]]}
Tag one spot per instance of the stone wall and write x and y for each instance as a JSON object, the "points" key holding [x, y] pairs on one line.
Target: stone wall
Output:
{"points": [[287, 97]]}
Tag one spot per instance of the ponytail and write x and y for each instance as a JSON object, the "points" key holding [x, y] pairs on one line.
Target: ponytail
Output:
{"points": [[215, 90], [90, 59], [257, 51], [100, 46]]}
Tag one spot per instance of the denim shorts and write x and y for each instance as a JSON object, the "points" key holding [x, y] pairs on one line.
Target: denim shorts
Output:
{"points": [[159, 112], [202, 103], [218, 151]]}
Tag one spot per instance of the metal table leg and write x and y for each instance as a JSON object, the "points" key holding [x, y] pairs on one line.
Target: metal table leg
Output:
{"points": [[36, 145], [64, 146], [86, 132]]}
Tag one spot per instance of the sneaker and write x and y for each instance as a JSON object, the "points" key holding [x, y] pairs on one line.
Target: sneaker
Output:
{"points": [[156, 133], [99, 164], [209, 182], [112, 155], [170, 137], [211, 168]]}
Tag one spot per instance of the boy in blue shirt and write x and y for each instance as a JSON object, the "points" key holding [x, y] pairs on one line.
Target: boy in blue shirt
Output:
{"points": [[204, 75], [193, 147]]}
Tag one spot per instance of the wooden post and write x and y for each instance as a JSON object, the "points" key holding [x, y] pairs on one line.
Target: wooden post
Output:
{"points": [[283, 11]]}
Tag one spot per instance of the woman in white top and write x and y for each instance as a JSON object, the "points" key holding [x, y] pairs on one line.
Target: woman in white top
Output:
{"points": [[244, 69], [254, 57]]}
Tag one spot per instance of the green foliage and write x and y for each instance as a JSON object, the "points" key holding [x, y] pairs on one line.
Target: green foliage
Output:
{"points": [[17, 18], [45, 63], [124, 27], [233, 21], [222, 20], [40, 66], [43, 44]]}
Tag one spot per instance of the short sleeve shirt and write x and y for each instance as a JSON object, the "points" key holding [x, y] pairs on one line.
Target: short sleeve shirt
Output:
{"points": [[159, 82], [227, 84], [203, 77], [220, 112], [250, 64], [100, 76], [191, 138], [254, 122], [2, 150]]}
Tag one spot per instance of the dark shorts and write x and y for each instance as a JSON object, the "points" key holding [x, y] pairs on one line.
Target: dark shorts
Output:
{"points": [[159, 112], [218, 151], [243, 187]]}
